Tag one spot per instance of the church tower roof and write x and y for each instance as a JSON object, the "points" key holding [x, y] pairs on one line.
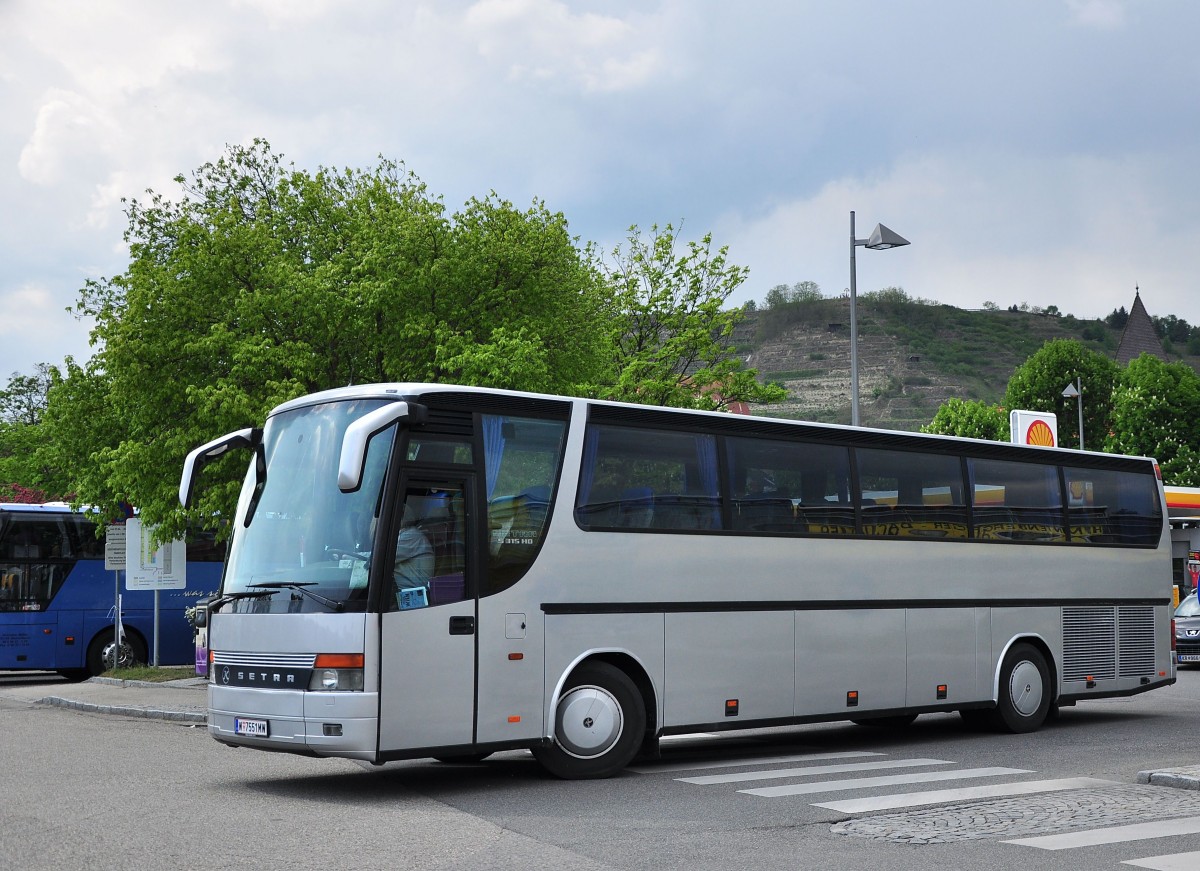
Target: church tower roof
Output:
{"points": [[1139, 335]]}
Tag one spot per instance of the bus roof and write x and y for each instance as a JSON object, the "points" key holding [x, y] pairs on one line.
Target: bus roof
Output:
{"points": [[401, 390], [44, 507]]}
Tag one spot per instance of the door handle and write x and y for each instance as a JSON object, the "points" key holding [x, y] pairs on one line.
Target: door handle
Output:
{"points": [[462, 625]]}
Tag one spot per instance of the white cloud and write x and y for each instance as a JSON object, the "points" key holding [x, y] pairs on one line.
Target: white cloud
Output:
{"points": [[1098, 14], [1073, 231], [35, 321], [1039, 153], [543, 41]]}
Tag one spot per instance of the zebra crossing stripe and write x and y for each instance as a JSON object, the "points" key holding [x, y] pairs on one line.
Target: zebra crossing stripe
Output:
{"points": [[777, 773], [748, 760], [1172, 862], [937, 796], [1114, 835], [890, 780]]}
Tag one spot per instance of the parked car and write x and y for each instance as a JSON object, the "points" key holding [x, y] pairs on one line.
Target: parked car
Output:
{"points": [[1187, 630]]}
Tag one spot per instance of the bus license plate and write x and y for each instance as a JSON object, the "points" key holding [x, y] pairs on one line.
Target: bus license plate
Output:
{"points": [[257, 728], [1189, 657]]}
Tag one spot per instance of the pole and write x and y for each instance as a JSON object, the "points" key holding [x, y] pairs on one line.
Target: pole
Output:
{"points": [[853, 331], [1079, 400], [155, 662], [116, 617]]}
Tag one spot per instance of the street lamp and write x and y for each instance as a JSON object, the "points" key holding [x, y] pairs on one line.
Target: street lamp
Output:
{"points": [[1074, 390], [881, 239]]}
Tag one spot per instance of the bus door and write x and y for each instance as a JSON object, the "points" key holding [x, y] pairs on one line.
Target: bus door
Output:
{"points": [[427, 669]]}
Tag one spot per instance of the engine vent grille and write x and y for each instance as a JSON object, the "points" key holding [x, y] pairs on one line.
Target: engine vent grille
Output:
{"points": [[1089, 643], [1136, 632]]}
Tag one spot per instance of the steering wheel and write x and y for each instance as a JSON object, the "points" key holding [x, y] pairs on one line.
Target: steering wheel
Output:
{"points": [[338, 553]]}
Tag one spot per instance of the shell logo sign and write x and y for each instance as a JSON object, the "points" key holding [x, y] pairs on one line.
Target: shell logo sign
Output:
{"points": [[1039, 434], [1038, 428]]}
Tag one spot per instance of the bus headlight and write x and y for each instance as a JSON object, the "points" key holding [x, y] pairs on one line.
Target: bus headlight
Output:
{"points": [[337, 672]]}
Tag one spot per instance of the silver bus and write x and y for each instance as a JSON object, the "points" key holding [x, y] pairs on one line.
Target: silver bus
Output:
{"points": [[422, 570]]}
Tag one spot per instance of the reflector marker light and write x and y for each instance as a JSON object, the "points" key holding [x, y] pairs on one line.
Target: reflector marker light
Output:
{"points": [[514, 719], [339, 660], [852, 699], [731, 707], [515, 657]]}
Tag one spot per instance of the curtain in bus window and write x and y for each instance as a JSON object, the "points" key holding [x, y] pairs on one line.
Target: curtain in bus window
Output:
{"points": [[908, 494], [1016, 501], [790, 488], [522, 457], [635, 478], [1109, 507], [493, 449]]}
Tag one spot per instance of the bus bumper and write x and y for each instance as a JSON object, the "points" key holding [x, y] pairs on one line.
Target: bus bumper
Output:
{"points": [[321, 724]]}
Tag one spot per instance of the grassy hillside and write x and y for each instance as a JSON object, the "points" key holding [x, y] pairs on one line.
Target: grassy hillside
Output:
{"points": [[912, 356]]}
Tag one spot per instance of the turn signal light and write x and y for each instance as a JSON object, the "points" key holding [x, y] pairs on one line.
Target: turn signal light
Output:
{"points": [[339, 660]]}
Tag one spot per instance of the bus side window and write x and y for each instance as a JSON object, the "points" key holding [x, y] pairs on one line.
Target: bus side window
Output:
{"points": [[911, 495], [1017, 501], [1109, 507]]}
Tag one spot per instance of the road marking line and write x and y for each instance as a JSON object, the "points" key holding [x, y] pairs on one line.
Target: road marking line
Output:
{"points": [[890, 780], [745, 761], [1114, 834], [1171, 862], [938, 796], [776, 773]]}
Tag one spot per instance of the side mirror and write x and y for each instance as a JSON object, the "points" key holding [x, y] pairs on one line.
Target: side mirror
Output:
{"points": [[359, 434], [200, 620], [206, 453]]}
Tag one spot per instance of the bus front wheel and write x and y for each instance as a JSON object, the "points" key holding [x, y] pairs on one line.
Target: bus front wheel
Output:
{"points": [[1025, 693], [598, 724]]}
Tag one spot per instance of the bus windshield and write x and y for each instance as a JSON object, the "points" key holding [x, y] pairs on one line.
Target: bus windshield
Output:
{"points": [[299, 543]]}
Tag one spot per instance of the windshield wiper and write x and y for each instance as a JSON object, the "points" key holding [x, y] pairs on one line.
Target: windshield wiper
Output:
{"points": [[300, 587], [216, 604]]}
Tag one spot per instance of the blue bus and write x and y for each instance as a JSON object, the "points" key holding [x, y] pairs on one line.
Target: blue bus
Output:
{"points": [[56, 597]]}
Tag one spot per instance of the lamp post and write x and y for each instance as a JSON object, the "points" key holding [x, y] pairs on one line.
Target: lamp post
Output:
{"points": [[881, 239], [1074, 390]]}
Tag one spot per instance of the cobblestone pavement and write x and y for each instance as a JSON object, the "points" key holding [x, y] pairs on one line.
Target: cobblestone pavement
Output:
{"points": [[1030, 815]]}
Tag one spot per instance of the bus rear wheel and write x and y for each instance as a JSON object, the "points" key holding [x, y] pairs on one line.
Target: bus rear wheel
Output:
{"points": [[598, 724], [1025, 693], [100, 653]]}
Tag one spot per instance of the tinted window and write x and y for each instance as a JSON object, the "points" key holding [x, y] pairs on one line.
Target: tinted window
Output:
{"points": [[522, 457], [1109, 507], [912, 495], [37, 552], [1016, 501], [648, 479], [790, 488]]}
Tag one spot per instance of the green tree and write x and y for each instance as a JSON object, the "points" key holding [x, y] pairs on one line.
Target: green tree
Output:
{"points": [[263, 282], [22, 406], [1038, 383], [671, 332], [970, 418], [1156, 413]]}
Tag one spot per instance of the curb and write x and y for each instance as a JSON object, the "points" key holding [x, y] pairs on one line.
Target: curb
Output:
{"points": [[1182, 778], [126, 711]]}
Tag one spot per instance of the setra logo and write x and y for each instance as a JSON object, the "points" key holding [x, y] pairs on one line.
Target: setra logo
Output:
{"points": [[225, 675]]}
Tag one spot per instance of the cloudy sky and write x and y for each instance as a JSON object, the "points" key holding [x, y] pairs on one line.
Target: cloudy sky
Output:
{"points": [[1036, 151]]}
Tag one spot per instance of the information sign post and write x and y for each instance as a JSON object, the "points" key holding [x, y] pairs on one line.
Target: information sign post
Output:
{"points": [[114, 561], [153, 568]]}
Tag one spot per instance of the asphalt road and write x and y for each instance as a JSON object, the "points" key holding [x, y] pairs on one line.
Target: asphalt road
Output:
{"points": [[98, 791]]}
